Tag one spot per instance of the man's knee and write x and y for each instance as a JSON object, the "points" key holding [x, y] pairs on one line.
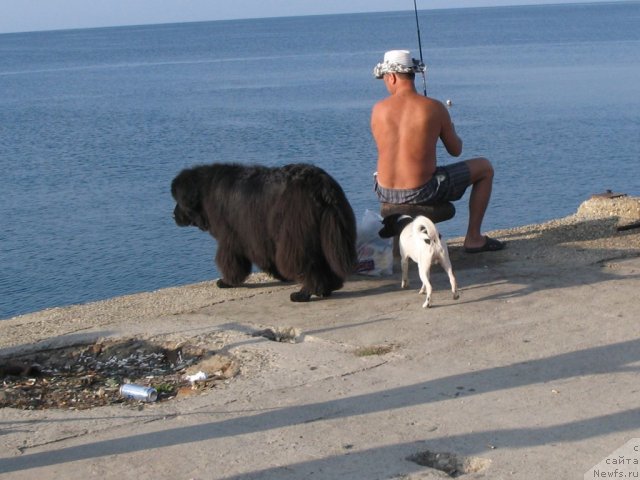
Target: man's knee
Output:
{"points": [[488, 167], [480, 168]]}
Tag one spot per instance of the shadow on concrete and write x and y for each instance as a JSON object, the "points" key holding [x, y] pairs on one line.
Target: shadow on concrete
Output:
{"points": [[476, 444], [618, 357]]}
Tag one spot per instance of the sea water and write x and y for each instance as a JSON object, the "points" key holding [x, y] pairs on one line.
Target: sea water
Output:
{"points": [[95, 123]]}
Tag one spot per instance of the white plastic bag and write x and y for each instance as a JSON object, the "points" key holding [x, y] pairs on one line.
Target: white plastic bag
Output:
{"points": [[375, 254]]}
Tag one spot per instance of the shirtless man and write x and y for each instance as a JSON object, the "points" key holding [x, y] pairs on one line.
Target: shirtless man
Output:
{"points": [[406, 127]]}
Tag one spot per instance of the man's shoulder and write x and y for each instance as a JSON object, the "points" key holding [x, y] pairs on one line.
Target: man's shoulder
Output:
{"points": [[434, 102], [417, 101], [382, 105]]}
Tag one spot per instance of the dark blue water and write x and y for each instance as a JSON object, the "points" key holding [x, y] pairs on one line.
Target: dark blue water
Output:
{"points": [[94, 124]]}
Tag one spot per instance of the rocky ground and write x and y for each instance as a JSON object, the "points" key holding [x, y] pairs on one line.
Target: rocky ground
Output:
{"points": [[87, 376]]}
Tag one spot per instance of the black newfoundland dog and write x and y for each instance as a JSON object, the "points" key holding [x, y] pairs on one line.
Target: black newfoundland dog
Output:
{"points": [[294, 222]]}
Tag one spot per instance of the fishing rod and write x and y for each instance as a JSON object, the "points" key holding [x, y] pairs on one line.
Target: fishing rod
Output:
{"points": [[424, 78]]}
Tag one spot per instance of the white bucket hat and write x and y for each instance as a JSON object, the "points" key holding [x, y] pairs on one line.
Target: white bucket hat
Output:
{"points": [[398, 61]]}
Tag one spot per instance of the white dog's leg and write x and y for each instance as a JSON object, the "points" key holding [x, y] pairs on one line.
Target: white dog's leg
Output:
{"points": [[454, 284], [405, 271], [446, 264], [424, 269]]}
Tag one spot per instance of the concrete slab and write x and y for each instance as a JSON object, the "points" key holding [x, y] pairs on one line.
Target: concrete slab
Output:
{"points": [[532, 373]]}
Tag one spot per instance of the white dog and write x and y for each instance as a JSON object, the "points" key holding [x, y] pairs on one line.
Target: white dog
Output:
{"points": [[421, 242]]}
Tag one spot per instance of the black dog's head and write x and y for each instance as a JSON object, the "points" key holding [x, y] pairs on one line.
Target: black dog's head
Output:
{"points": [[185, 189], [394, 224]]}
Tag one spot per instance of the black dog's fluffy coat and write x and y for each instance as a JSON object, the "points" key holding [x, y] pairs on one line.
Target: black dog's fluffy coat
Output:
{"points": [[294, 222]]}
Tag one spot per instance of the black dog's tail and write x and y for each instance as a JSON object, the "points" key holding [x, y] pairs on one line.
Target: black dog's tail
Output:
{"points": [[338, 233], [317, 236]]}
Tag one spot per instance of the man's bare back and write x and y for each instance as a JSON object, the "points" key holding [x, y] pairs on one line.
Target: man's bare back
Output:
{"points": [[406, 127]]}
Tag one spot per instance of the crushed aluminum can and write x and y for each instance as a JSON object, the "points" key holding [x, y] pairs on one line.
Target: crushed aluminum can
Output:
{"points": [[139, 392]]}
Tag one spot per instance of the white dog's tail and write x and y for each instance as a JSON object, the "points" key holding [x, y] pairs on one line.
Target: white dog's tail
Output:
{"points": [[425, 229]]}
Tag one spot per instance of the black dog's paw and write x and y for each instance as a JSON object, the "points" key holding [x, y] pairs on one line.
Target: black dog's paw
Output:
{"points": [[300, 296], [222, 284]]}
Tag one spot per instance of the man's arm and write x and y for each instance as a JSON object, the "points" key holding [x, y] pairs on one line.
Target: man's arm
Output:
{"points": [[452, 142]]}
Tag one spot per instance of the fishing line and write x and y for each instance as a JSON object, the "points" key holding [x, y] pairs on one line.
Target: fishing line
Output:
{"points": [[424, 78]]}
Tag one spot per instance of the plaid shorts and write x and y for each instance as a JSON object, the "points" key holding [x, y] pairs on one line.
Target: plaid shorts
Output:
{"points": [[448, 183]]}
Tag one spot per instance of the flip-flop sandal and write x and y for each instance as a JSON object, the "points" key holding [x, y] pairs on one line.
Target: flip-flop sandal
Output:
{"points": [[491, 245]]}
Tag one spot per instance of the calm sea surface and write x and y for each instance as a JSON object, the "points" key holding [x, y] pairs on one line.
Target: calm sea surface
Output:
{"points": [[94, 125]]}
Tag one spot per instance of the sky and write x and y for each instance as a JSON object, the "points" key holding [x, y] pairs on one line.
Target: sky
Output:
{"points": [[33, 15]]}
